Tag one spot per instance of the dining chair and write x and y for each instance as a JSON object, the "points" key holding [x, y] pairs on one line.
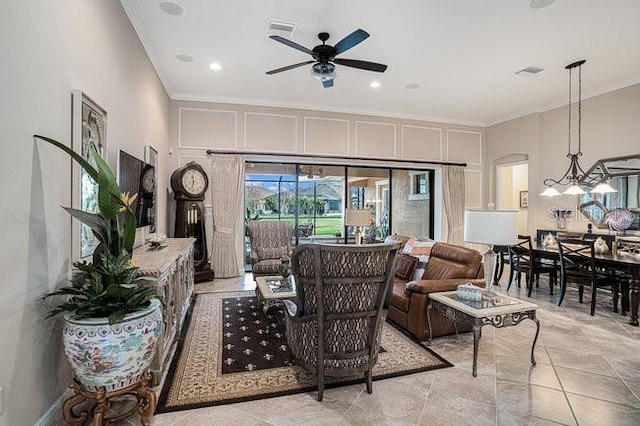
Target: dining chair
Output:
{"points": [[624, 246], [578, 265], [522, 259]]}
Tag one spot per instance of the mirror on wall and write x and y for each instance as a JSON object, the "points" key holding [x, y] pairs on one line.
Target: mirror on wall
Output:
{"points": [[623, 174]]}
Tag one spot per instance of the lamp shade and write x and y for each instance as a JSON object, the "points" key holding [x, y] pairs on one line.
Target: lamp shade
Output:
{"points": [[358, 217], [491, 227]]}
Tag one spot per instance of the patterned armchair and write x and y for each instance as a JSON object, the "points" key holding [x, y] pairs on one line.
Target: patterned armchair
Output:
{"points": [[334, 326], [270, 241]]}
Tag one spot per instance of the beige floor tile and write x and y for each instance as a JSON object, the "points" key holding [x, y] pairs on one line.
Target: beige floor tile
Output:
{"points": [[611, 389], [455, 410], [593, 363], [532, 401], [594, 412], [394, 399]]}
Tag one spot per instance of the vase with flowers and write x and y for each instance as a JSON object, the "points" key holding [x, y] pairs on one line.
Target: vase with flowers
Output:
{"points": [[112, 318]]}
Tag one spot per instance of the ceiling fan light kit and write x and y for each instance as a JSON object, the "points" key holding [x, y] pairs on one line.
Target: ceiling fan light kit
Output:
{"points": [[324, 57]]}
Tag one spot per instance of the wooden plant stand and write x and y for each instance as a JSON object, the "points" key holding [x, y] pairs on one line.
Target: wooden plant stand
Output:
{"points": [[145, 403]]}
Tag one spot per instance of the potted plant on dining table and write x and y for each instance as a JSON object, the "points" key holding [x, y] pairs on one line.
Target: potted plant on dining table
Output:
{"points": [[112, 318]]}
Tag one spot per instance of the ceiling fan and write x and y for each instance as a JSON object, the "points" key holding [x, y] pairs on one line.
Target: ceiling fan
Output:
{"points": [[324, 56]]}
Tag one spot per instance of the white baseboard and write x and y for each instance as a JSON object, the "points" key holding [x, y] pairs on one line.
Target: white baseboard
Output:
{"points": [[52, 416]]}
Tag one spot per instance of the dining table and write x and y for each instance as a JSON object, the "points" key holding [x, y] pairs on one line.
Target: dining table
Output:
{"points": [[608, 260]]}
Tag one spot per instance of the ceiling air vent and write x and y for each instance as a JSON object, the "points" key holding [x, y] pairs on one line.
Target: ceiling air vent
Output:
{"points": [[529, 71], [281, 28]]}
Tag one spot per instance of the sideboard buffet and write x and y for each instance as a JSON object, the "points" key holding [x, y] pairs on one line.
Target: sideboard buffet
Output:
{"points": [[172, 267]]}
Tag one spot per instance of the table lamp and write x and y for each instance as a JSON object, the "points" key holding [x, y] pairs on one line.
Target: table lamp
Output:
{"points": [[358, 218], [493, 228]]}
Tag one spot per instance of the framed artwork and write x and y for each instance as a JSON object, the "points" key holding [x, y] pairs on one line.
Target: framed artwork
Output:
{"points": [[524, 199], [151, 157], [89, 129]]}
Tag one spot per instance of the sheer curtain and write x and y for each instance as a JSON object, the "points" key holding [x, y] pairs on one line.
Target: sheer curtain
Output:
{"points": [[227, 189], [453, 197]]}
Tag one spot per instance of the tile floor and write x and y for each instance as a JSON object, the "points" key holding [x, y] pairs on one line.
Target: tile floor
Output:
{"points": [[587, 373]]}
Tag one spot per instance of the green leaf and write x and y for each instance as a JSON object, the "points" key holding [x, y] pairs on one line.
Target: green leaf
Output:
{"points": [[129, 231], [81, 161], [109, 200], [93, 220]]}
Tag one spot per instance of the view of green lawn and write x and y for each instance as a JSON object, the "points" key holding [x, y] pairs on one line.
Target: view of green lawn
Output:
{"points": [[323, 225]]}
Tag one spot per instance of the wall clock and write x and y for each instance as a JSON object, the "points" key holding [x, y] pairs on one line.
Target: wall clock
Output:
{"points": [[189, 184]]}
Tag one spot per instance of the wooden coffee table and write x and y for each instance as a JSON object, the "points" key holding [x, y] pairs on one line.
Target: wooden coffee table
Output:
{"points": [[496, 310], [273, 290]]}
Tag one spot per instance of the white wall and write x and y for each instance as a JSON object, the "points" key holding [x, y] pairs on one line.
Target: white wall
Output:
{"points": [[48, 49], [610, 127]]}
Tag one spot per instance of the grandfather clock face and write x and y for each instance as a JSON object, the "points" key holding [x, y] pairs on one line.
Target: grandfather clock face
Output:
{"points": [[194, 182]]}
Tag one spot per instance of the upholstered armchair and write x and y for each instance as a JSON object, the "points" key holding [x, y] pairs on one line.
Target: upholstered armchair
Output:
{"points": [[270, 241], [334, 326]]}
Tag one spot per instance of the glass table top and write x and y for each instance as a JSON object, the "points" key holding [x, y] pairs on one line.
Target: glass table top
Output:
{"points": [[489, 300], [285, 285]]}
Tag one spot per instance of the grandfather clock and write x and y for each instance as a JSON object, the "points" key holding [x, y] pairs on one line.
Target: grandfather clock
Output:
{"points": [[189, 184]]}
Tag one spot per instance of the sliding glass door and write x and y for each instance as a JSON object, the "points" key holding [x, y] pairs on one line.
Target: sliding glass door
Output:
{"points": [[316, 197]]}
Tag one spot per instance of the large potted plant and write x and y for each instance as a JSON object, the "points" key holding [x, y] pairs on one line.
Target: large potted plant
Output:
{"points": [[112, 319]]}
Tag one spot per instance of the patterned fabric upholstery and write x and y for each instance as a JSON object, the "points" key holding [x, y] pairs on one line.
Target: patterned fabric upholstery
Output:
{"points": [[270, 240], [341, 291]]}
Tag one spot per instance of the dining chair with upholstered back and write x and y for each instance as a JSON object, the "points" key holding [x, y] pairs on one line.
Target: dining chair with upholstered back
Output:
{"points": [[334, 326]]}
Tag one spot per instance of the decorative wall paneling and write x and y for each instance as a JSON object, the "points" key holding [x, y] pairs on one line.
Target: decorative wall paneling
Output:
{"points": [[200, 128]]}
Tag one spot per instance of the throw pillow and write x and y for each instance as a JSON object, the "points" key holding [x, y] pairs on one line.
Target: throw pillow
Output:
{"points": [[422, 250], [405, 266], [272, 252]]}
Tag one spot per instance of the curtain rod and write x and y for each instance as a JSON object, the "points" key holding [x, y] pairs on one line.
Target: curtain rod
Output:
{"points": [[331, 157]]}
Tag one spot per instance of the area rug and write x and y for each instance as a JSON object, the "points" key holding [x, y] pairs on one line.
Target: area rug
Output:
{"points": [[231, 351]]}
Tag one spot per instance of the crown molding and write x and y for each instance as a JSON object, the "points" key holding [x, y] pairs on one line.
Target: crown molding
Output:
{"points": [[136, 23]]}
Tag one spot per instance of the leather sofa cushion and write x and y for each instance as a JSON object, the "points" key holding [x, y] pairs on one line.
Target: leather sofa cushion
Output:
{"points": [[398, 297], [450, 261]]}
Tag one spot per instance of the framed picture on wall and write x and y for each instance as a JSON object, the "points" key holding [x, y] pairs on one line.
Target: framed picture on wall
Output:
{"points": [[89, 129], [151, 157], [524, 199]]}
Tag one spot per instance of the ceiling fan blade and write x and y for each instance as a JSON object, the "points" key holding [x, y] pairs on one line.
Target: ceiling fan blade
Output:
{"points": [[291, 44], [351, 40], [327, 83], [289, 67], [363, 65]]}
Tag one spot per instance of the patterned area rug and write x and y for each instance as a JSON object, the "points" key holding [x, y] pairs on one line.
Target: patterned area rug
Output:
{"points": [[232, 352]]}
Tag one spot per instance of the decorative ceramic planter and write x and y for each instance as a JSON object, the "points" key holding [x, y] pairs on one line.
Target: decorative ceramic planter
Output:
{"points": [[113, 356]]}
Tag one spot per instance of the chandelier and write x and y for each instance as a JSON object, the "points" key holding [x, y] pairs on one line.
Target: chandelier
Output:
{"points": [[574, 175]]}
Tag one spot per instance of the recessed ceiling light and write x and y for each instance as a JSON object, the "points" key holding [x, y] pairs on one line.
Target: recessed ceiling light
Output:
{"points": [[374, 84], [539, 4], [171, 8], [184, 58], [215, 66], [411, 86]]}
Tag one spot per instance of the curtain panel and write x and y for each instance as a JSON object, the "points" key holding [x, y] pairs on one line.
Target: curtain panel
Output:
{"points": [[453, 197], [227, 190]]}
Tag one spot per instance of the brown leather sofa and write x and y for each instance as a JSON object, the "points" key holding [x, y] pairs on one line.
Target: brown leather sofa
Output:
{"points": [[448, 267]]}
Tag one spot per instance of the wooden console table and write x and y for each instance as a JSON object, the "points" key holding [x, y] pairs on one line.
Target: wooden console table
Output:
{"points": [[172, 266]]}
